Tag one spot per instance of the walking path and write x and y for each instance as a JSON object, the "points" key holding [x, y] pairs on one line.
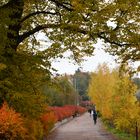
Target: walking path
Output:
{"points": [[81, 128]]}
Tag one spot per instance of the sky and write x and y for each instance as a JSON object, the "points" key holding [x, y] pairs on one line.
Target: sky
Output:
{"points": [[65, 66], [89, 65]]}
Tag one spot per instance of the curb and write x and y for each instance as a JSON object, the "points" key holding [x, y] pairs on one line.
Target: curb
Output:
{"points": [[58, 124]]}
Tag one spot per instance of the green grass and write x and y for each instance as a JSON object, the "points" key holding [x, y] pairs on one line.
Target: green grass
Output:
{"points": [[120, 135]]}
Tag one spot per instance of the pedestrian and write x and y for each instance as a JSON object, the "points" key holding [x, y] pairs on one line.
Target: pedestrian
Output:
{"points": [[89, 111], [94, 113]]}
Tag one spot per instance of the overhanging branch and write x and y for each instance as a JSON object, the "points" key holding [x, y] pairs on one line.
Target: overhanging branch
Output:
{"points": [[45, 26], [36, 29], [37, 13], [111, 41], [69, 27], [63, 5]]}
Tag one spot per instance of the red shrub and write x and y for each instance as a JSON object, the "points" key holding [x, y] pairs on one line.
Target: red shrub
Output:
{"points": [[67, 111], [81, 110], [55, 114], [11, 124], [48, 120]]}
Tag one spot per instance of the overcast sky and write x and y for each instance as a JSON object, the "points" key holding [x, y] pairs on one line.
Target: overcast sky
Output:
{"points": [[89, 65], [65, 66]]}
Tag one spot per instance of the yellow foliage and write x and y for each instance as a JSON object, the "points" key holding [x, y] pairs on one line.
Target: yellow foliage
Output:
{"points": [[35, 129], [2, 66], [114, 98], [101, 89]]}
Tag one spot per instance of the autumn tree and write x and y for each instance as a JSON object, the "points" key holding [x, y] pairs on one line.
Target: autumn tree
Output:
{"points": [[101, 89], [114, 96], [125, 110], [72, 22], [81, 83], [66, 25], [59, 92]]}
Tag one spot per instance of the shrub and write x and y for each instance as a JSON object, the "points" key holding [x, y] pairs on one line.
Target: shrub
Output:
{"points": [[55, 114], [48, 120], [67, 111], [11, 124], [35, 129]]}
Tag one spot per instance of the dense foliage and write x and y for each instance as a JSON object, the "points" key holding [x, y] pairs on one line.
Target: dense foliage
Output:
{"points": [[11, 124], [59, 92], [35, 32], [73, 23], [58, 114], [14, 127], [115, 98], [81, 82]]}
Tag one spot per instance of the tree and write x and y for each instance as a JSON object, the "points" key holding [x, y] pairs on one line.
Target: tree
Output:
{"points": [[101, 89], [68, 25], [137, 81], [23, 66], [81, 83], [73, 23], [60, 92], [114, 98], [125, 112]]}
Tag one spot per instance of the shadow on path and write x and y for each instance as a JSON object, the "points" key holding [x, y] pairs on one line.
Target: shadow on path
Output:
{"points": [[81, 128]]}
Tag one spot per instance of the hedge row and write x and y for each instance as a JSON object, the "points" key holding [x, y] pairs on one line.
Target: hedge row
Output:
{"points": [[55, 114], [13, 126]]}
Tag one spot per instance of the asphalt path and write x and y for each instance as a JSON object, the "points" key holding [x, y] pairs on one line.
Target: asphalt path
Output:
{"points": [[81, 128]]}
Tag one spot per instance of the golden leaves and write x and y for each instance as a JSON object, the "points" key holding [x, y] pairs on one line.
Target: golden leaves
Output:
{"points": [[114, 98]]}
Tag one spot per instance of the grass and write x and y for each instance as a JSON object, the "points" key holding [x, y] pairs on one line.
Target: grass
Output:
{"points": [[120, 135]]}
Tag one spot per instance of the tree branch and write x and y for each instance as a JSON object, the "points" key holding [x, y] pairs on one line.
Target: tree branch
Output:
{"points": [[112, 42], [69, 27], [45, 26], [37, 13], [59, 4], [36, 29]]}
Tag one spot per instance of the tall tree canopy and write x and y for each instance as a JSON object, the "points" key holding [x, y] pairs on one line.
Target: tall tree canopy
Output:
{"points": [[74, 23], [67, 25], [114, 98], [61, 92], [81, 83]]}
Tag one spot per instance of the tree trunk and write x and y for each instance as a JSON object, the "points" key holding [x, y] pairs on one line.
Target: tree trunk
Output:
{"points": [[12, 14]]}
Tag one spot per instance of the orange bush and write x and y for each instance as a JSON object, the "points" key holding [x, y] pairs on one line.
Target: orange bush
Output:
{"points": [[11, 124], [67, 111], [34, 129], [55, 114], [81, 110], [48, 120]]}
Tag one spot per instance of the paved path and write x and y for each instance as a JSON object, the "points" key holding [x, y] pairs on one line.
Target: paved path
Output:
{"points": [[81, 128]]}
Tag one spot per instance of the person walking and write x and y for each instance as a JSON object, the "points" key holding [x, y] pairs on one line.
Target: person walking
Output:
{"points": [[94, 113], [89, 111]]}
